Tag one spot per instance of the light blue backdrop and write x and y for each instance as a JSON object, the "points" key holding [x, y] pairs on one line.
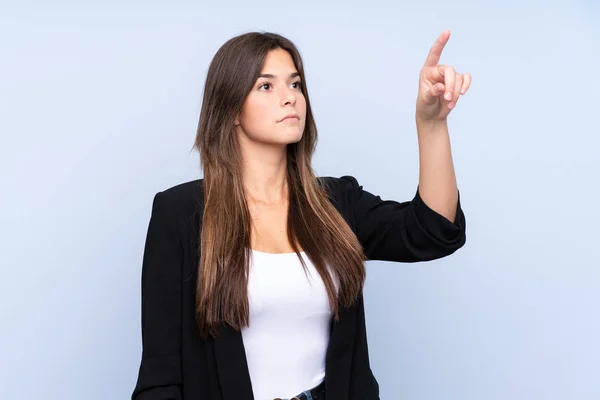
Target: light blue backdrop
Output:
{"points": [[98, 111]]}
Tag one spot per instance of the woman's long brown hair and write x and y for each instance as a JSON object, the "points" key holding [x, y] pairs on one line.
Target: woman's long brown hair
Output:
{"points": [[314, 224]]}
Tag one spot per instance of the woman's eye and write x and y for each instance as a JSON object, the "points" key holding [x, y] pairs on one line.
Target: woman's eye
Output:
{"points": [[267, 85]]}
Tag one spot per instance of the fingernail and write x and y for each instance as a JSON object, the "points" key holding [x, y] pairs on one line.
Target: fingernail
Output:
{"points": [[448, 96]]}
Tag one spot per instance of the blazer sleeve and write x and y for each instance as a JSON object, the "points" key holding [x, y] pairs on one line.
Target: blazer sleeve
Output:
{"points": [[407, 231], [159, 376]]}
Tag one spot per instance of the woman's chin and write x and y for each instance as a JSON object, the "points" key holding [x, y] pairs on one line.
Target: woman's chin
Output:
{"points": [[290, 137]]}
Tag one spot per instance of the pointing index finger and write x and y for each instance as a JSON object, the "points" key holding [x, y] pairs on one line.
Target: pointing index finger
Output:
{"points": [[433, 58]]}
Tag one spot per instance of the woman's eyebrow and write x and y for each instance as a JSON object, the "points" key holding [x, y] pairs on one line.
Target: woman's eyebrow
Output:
{"points": [[271, 76]]}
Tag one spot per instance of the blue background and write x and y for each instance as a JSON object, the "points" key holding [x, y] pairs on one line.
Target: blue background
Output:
{"points": [[99, 106]]}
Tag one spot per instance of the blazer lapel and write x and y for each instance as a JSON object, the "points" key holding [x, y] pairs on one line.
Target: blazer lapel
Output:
{"points": [[232, 367], [338, 359], [230, 355]]}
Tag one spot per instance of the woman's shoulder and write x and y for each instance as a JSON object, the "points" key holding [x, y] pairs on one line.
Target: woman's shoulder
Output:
{"points": [[183, 198], [340, 188], [343, 183], [184, 190]]}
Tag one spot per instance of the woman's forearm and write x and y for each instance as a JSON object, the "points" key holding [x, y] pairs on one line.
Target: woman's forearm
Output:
{"points": [[437, 179]]}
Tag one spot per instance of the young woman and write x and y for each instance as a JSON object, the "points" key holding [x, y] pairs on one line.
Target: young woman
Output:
{"points": [[252, 277]]}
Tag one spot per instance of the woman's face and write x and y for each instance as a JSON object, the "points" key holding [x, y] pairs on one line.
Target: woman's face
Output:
{"points": [[276, 95]]}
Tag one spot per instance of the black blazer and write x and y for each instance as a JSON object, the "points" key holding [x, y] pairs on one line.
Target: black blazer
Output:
{"points": [[177, 364]]}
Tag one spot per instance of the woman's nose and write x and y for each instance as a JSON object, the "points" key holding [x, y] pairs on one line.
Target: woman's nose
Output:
{"points": [[288, 96]]}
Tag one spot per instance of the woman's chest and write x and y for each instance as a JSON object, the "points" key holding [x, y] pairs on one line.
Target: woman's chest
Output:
{"points": [[279, 286]]}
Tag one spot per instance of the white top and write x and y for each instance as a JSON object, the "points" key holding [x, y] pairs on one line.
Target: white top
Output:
{"points": [[289, 327]]}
